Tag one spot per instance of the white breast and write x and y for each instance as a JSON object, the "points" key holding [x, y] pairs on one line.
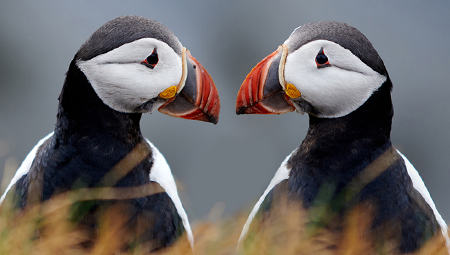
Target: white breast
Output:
{"points": [[419, 185], [281, 174], [162, 174], [25, 166]]}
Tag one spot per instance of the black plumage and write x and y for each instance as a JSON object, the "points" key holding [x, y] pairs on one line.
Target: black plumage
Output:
{"points": [[89, 140], [344, 160], [97, 144]]}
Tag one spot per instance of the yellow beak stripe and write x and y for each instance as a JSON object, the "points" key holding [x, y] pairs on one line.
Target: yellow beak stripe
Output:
{"points": [[184, 54], [284, 52], [292, 91], [173, 90], [169, 92], [289, 89]]}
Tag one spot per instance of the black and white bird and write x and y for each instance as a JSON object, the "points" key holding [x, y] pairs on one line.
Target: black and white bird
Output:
{"points": [[131, 65], [331, 71]]}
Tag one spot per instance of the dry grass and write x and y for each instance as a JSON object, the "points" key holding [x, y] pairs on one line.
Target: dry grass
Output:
{"points": [[287, 232], [45, 230]]}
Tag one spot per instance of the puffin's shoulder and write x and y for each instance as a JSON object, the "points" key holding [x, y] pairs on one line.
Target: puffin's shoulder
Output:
{"points": [[419, 185], [162, 174], [26, 164], [280, 175]]}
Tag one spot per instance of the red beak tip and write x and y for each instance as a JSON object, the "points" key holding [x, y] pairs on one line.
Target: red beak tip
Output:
{"points": [[241, 110]]}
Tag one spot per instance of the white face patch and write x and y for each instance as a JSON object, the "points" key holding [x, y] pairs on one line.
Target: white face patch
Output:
{"points": [[123, 83], [336, 90]]}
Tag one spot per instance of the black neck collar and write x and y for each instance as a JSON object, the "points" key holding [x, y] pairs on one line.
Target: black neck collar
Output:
{"points": [[337, 149], [82, 114]]}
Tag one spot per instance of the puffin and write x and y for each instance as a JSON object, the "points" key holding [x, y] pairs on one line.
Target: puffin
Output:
{"points": [[332, 72], [130, 66]]}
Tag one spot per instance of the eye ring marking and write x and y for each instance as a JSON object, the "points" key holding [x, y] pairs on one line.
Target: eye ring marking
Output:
{"points": [[322, 59], [152, 60]]}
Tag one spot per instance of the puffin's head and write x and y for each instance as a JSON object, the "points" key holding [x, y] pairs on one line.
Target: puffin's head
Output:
{"points": [[327, 69], [137, 65]]}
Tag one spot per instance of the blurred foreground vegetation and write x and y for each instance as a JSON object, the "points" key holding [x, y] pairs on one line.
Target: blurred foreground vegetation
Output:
{"points": [[49, 227], [46, 229]]}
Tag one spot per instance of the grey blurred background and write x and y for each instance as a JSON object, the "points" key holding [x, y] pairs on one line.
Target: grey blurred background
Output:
{"points": [[231, 163]]}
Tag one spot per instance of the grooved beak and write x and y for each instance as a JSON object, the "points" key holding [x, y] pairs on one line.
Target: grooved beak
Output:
{"points": [[198, 98], [261, 91]]}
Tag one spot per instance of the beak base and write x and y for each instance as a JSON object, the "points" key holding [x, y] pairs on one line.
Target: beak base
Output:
{"points": [[199, 98], [261, 91]]}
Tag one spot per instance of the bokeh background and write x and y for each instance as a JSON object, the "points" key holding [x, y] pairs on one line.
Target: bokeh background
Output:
{"points": [[231, 163]]}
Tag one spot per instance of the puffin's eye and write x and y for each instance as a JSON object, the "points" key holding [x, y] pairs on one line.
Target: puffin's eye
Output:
{"points": [[151, 60], [322, 59]]}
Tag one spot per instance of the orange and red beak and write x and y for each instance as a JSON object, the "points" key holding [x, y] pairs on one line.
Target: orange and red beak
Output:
{"points": [[198, 98], [261, 92]]}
